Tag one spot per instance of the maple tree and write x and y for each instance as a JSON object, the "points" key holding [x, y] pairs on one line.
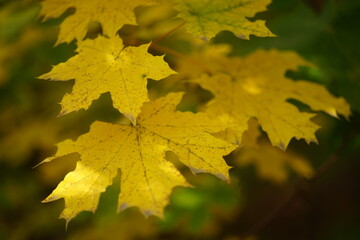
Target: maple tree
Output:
{"points": [[253, 86]]}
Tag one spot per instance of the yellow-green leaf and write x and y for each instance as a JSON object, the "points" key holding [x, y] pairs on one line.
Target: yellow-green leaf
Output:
{"points": [[147, 178], [111, 14], [256, 86], [104, 65], [206, 18]]}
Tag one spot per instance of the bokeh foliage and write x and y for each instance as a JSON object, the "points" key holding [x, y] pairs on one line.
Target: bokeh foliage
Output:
{"points": [[324, 32]]}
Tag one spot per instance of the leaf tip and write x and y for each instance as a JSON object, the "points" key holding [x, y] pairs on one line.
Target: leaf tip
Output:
{"points": [[50, 198], [131, 117], [147, 213], [122, 207], [282, 146], [62, 113], [314, 140]]}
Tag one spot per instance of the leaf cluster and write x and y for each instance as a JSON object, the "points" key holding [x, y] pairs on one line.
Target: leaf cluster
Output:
{"points": [[251, 88]]}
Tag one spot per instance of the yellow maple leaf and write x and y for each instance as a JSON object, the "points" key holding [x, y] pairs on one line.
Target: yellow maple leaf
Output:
{"points": [[147, 178], [256, 86], [111, 14], [104, 65], [206, 18], [270, 162]]}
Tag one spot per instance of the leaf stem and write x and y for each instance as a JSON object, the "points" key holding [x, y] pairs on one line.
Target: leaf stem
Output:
{"points": [[184, 57], [155, 46], [161, 37]]}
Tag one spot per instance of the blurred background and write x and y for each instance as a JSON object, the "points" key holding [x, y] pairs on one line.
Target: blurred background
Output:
{"points": [[309, 192]]}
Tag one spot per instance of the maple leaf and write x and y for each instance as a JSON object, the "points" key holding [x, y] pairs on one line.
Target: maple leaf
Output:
{"points": [[104, 65], [111, 14], [270, 162], [256, 86], [206, 18], [147, 178]]}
